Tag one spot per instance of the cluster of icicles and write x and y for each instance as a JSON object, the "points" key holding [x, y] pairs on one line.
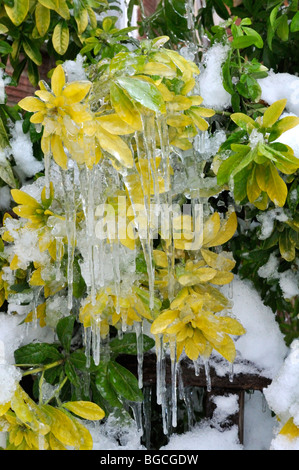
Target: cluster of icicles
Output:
{"points": [[93, 191]]}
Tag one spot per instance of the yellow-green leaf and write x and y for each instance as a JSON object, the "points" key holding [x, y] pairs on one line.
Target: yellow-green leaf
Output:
{"points": [[124, 107], [273, 113], [42, 19], [195, 114], [244, 121], [18, 12], [85, 409], [82, 20], [60, 37]]}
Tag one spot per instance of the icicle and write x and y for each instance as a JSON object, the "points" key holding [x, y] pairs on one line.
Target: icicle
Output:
{"points": [[208, 376], [139, 341], [47, 165], [145, 234], [231, 372], [87, 180], [70, 209], [96, 341], [36, 295], [59, 253], [87, 344], [137, 412], [230, 291], [147, 413], [161, 381], [196, 368], [114, 249], [173, 360]]}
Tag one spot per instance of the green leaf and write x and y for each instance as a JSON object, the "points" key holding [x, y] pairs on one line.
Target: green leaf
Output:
{"points": [[37, 353], [124, 382], [71, 374], [5, 48], [78, 359], [294, 27], [226, 76], [283, 28], [282, 126], [242, 42], [32, 51], [105, 388], [259, 43], [145, 93], [286, 247], [128, 344], [64, 330], [228, 165]]}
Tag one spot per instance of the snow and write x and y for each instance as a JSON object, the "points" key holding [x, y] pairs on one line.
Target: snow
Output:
{"points": [[9, 379], [210, 79], [277, 86], [22, 150], [74, 69], [262, 330]]}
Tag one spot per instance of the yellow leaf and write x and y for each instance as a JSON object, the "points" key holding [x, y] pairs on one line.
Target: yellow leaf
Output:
{"points": [[179, 103], [272, 114], [62, 426], [31, 104], [23, 198], [42, 19], [14, 264], [198, 276], [4, 408], [160, 258], [85, 409], [36, 279], [218, 261], [60, 38], [156, 68], [180, 298], [59, 154], [211, 228], [222, 278], [18, 12], [178, 120], [113, 124], [290, 430], [163, 321], [277, 189], [226, 231], [191, 349], [76, 91], [116, 147], [231, 326]]}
